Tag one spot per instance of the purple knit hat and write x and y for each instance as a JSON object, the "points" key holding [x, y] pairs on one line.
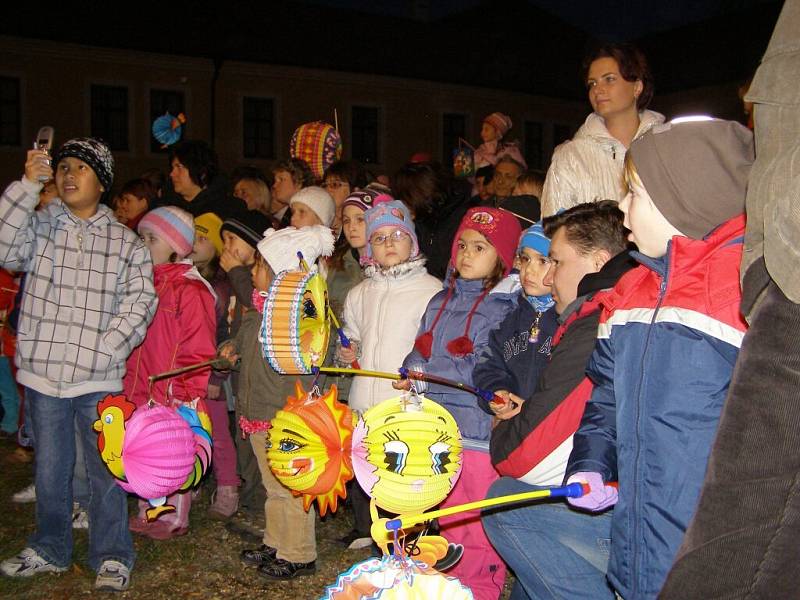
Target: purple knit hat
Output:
{"points": [[393, 213], [173, 225]]}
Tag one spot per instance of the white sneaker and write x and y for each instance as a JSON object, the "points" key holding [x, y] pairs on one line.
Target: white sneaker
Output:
{"points": [[26, 495], [113, 576], [80, 519], [28, 563]]}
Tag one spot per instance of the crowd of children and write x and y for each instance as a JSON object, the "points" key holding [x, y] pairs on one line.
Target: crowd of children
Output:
{"points": [[608, 334]]}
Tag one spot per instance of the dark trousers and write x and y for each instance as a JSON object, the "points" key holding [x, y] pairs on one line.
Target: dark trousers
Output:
{"points": [[744, 541]]}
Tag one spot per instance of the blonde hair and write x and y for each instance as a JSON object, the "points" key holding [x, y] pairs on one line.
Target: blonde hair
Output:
{"points": [[630, 175]]}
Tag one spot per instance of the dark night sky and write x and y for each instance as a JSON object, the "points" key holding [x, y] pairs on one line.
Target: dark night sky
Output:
{"points": [[608, 19]]}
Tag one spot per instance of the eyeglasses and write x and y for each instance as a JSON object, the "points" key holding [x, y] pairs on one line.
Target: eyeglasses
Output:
{"points": [[334, 184], [396, 236]]}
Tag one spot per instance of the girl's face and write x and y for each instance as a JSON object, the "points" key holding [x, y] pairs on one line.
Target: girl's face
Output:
{"points": [[261, 275], [488, 133], [532, 269], [354, 227], [238, 248], [203, 250], [160, 251], [390, 246], [476, 258], [303, 216], [609, 94]]}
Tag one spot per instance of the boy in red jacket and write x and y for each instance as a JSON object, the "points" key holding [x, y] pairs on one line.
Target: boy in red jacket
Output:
{"points": [[667, 343]]}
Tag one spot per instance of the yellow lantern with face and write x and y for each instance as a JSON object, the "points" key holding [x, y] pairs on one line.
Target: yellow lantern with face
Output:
{"points": [[308, 447], [407, 453]]}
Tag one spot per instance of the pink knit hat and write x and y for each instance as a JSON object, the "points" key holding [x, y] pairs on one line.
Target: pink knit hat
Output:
{"points": [[173, 225], [502, 123], [498, 226]]}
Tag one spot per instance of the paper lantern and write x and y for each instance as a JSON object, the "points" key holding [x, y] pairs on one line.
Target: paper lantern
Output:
{"points": [[309, 447], [294, 329], [407, 453], [395, 578], [167, 129], [317, 143]]}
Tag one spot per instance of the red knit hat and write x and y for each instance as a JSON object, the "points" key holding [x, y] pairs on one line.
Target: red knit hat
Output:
{"points": [[498, 226]]}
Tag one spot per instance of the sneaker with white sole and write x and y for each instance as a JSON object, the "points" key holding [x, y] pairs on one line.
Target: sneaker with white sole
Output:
{"points": [[25, 495], [113, 576], [80, 519], [28, 563]]}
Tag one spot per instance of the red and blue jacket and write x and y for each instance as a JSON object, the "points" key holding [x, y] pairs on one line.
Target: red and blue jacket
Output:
{"points": [[668, 339]]}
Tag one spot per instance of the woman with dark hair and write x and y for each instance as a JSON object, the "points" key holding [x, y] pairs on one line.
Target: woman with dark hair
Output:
{"points": [[342, 179], [588, 167], [196, 179], [437, 204]]}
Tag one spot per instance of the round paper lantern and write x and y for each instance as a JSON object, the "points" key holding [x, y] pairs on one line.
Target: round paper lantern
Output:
{"points": [[309, 447], [317, 143], [158, 452], [407, 453], [167, 129], [395, 578]]}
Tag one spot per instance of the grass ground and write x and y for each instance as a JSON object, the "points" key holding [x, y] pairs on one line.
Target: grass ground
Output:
{"points": [[203, 564]]}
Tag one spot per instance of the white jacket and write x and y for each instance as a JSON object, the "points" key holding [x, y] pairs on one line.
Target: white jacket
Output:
{"points": [[588, 167], [382, 315]]}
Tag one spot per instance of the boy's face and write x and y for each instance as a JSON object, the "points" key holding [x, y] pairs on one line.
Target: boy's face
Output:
{"points": [[533, 268], [238, 248], [247, 190], [650, 230], [78, 186], [303, 216], [130, 207], [261, 275], [567, 268], [283, 188], [48, 193], [394, 249]]}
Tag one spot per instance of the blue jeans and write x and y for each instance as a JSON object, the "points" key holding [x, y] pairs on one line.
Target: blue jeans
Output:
{"points": [[55, 423], [9, 397], [555, 552]]}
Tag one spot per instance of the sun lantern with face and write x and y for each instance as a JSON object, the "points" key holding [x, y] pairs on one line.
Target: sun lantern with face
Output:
{"points": [[407, 453], [308, 447]]}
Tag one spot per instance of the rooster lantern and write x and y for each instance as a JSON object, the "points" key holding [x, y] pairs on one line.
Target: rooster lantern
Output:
{"points": [[154, 451]]}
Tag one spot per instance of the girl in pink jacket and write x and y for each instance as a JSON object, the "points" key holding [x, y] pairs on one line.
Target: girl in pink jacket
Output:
{"points": [[182, 333]]}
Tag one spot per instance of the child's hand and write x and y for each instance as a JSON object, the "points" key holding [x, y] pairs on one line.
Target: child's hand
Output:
{"points": [[228, 260], [37, 166], [228, 352], [347, 355], [402, 384], [508, 409]]}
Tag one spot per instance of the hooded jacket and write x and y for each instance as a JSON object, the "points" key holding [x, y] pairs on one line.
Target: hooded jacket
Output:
{"points": [[182, 333], [534, 446], [475, 425], [588, 167], [382, 314], [668, 339], [88, 296]]}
